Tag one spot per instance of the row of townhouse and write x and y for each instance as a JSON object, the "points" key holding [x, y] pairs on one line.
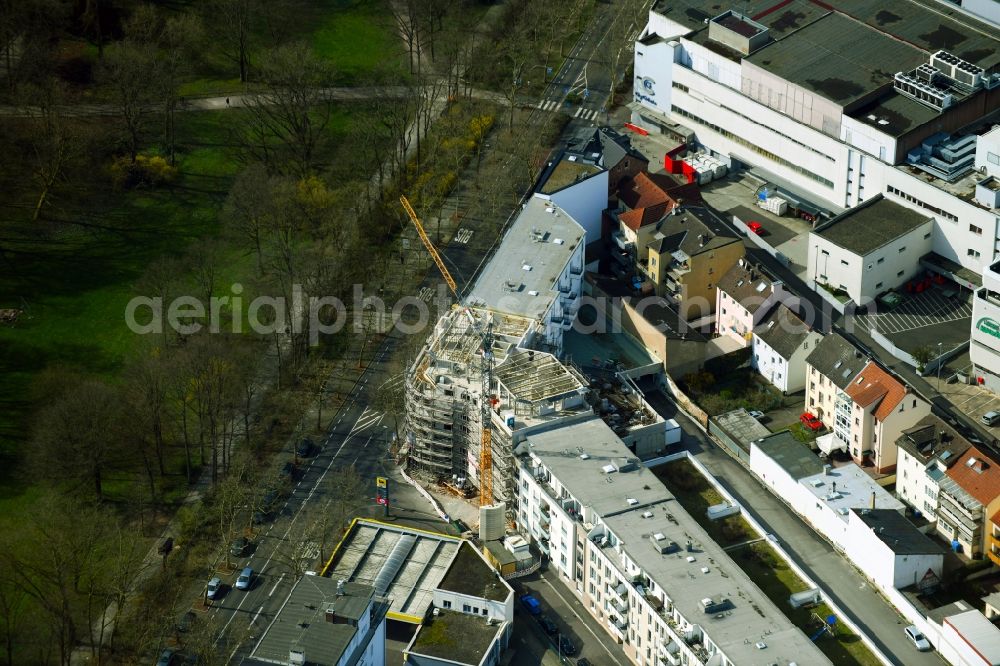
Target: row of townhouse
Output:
{"points": [[889, 143]]}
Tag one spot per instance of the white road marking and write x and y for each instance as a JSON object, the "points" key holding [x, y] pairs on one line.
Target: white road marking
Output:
{"points": [[276, 585], [585, 625]]}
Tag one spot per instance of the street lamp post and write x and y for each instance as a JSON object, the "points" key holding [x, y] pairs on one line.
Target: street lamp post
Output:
{"points": [[939, 368]]}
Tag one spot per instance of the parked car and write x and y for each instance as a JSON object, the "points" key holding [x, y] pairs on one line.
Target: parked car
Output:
{"points": [[239, 547], [810, 421], [566, 646], [166, 658], [288, 471], [305, 448], [583, 661], [547, 625], [261, 517], [245, 579], [917, 638], [755, 227], [269, 501], [531, 604], [990, 418], [756, 414], [214, 588]]}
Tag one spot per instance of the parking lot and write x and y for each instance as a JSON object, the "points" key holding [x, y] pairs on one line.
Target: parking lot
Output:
{"points": [[928, 308]]}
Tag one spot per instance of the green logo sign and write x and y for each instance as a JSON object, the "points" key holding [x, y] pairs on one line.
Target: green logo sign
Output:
{"points": [[989, 326]]}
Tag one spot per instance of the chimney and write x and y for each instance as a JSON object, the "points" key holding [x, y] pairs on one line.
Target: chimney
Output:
{"points": [[330, 615], [873, 499], [834, 486], [340, 587], [826, 471]]}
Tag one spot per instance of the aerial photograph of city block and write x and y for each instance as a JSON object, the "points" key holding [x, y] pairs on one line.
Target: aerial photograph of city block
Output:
{"points": [[500, 332]]}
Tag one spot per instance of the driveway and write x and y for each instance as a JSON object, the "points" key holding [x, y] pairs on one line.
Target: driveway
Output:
{"points": [[834, 574]]}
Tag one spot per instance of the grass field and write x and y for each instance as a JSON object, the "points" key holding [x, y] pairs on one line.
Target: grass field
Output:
{"points": [[761, 563]]}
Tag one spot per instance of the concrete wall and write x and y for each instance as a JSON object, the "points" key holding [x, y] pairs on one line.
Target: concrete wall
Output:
{"points": [[880, 564], [913, 485], [496, 610], [584, 201], [885, 433], [698, 286]]}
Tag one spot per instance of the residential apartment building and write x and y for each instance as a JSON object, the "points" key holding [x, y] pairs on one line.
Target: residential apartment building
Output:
{"points": [[744, 297], [984, 347], [834, 102], [781, 343], [869, 249], [882, 408], [613, 151], [536, 272], [925, 452], [830, 367], [689, 253], [639, 563], [968, 501]]}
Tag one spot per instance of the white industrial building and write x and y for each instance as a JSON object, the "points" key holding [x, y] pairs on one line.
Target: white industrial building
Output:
{"points": [[968, 639], [869, 249], [639, 563], [890, 550], [835, 102], [823, 495], [984, 347]]}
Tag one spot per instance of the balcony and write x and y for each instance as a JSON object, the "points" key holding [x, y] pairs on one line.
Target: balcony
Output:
{"points": [[622, 242], [619, 593], [994, 549], [617, 630]]}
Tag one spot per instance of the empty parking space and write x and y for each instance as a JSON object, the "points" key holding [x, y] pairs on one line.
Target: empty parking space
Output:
{"points": [[918, 311]]}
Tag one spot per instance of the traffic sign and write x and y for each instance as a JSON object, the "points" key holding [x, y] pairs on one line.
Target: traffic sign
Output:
{"points": [[548, 70], [586, 93]]}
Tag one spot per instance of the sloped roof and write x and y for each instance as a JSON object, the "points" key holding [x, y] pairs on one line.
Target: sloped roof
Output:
{"points": [[875, 384], [837, 359], [783, 331], [692, 231], [977, 474], [746, 285], [932, 438], [646, 189], [640, 217]]}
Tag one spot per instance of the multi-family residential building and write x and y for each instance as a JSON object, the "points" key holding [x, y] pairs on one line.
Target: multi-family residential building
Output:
{"points": [[577, 184], [869, 249], [882, 408], [326, 622], [822, 494], [745, 296], [830, 367], [781, 343], [968, 501], [536, 272], [614, 152], [834, 102], [925, 452], [639, 563], [688, 254], [890, 550]]}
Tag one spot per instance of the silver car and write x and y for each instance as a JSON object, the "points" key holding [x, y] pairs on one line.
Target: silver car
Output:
{"points": [[917, 638], [214, 587]]}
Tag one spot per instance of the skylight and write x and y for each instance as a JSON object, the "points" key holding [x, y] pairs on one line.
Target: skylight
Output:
{"points": [[762, 286], [837, 364]]}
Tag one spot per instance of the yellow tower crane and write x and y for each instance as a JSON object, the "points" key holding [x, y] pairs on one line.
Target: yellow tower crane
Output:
{"points": [[485, 400]]}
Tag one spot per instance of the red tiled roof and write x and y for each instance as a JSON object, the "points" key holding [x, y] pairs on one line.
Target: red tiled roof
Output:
{"points": [[640, 217], [646, 189], [874, 384], [981, 478]]}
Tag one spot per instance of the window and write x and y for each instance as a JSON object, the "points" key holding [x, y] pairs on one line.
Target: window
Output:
{"points": [[878, 285], [824, 252], [902, 249], [914, 403], [976, 230], [844, 262], [446, 603], [993, 158], [934, 209], [899, 274], [466, 608], [679, 86], [973, 253], [881, 260], [486, 611], [723, 310], [927, 235]]}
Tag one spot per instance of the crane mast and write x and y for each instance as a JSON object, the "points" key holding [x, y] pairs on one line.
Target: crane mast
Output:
{"points": [[486, 366]]}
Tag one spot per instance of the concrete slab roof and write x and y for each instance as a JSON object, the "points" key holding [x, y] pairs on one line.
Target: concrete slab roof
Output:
{"points": [[981, 634], [790, 454], [848, 487], [838, 58], [456, 638], [897, 532], [871, 225], [742, 427], [520, 278]]}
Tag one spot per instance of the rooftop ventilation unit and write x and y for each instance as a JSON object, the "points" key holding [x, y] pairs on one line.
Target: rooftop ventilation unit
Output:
{"points": [[958, 70], [925, 93]]}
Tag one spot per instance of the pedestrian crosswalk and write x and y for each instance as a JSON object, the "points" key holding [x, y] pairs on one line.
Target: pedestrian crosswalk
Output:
{"points": [[582, 113]]}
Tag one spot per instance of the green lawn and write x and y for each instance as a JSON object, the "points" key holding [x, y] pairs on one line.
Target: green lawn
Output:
{"points": [[358, 38], [760, 562]]}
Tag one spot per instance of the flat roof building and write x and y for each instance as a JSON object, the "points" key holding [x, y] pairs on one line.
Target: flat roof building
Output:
{"points": [[654, 575]]}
